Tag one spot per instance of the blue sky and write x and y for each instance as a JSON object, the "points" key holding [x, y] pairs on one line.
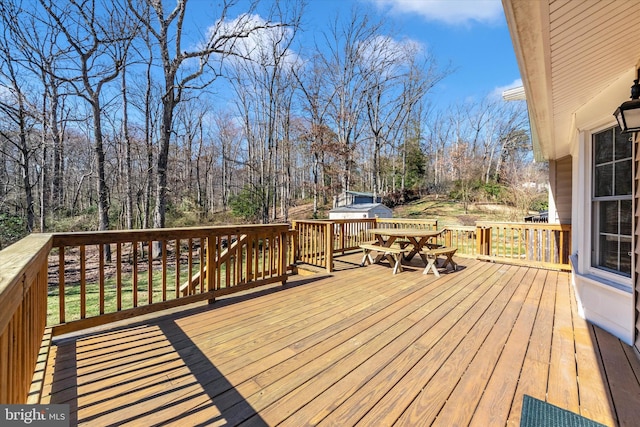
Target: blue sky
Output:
{"points": [[470, 35]]}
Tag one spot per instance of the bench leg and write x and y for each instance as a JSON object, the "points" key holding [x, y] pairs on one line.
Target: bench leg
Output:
{"points": [[366, 258], [398, 263], [431, 265], [450, 260]]}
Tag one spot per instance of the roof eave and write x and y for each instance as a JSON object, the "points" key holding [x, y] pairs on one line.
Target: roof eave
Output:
{"points": [[528, 26]]}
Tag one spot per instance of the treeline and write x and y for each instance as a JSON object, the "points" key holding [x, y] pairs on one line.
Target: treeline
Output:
{"points": [[113, 109]]}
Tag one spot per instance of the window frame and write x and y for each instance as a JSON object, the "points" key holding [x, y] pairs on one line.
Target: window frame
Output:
{"points": [[593, 213]]}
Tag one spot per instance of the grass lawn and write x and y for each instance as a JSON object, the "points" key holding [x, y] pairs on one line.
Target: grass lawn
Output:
{"points": [[450, 213]]}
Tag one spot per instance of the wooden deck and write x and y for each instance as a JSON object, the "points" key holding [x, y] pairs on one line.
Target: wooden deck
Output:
{"points": [[358, 347]]}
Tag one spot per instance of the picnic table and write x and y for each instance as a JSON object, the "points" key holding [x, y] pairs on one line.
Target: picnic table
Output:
{"points": [[413, 241], [414, 237]]}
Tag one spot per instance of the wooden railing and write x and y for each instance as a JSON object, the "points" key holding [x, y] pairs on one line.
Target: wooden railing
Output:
{"points": [[190, 264], [315, 242], [461, 237], [73, 281], [349, 234], [536, 244], [320, 240], [23, 314]]}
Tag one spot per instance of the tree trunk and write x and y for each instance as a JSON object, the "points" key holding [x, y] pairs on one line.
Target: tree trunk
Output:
{"points": [[101, 184], [127, 156], [159, 213]]}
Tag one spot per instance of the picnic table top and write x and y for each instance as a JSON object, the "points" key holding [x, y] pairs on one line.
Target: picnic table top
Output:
{"points": [[405, 232]]}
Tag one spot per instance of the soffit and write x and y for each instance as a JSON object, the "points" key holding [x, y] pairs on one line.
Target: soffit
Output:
{"points": [[569, 51]]}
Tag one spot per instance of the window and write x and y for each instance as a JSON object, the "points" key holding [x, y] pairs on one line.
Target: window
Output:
{"points": [[612, 196]]}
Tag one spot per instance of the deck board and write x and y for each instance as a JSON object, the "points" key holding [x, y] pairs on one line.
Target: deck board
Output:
{"points": [[359, 346], [496, 400], [426, 406], [461, 404], [563, 386]]}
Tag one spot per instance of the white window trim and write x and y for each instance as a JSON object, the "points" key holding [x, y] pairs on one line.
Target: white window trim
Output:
{"points": [[585, 215]]}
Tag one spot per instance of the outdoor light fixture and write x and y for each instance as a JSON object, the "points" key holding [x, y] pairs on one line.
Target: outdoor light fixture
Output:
{"points": [[628, 114]]}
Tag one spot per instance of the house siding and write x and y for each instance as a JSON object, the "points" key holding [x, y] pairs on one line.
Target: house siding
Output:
{"points": [[560, 174]]}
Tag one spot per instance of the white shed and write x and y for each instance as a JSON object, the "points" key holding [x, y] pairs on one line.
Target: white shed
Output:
{"points": [[363, 210]]}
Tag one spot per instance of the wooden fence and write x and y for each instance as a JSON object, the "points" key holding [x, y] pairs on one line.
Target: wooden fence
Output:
{"points": [[23, 317], [156, 269], [536, 244], [320, 240]]}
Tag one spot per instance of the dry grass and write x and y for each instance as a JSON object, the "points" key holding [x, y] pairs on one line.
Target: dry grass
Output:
{"points": [[447, 212]]}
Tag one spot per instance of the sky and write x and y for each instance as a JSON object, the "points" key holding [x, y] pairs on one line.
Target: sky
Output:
{"points": [[471, 36]]}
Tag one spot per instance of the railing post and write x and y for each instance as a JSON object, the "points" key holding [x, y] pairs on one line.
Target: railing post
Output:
{"points": [[329, 247], [211, 261], [282, 251], [483, 240], [448, 238], [294, 241]]}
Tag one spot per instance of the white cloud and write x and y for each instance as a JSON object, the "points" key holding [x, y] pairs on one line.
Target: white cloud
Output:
{"points": [[386, 49], [6, 94], [258, 41], [453, 12]]}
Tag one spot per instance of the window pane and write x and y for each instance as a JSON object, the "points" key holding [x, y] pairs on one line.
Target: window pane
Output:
{"points": [[603, 180], [612, 176], [603, 147], [623, 178], [622, 144], [609, 217], [609, 252], [625, 217], [625, 255]]}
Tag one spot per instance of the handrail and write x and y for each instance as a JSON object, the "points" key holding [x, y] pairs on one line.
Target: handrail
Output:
{"points": [[191, 264], [461, 237], [319, 240], [23, 298], [536, 244], [349, 233], [315, 242]]}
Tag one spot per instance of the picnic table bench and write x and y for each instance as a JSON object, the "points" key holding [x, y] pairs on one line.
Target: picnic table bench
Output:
{"points": [[432, 258], [394, 254]]}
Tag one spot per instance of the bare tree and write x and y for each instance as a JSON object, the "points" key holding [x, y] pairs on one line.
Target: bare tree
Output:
{"points": [[180, 75], [17, 133], [345, 44], [229, 137], [31, 47], [99, 43], [316, 97], [397, 80], [263, 80]]}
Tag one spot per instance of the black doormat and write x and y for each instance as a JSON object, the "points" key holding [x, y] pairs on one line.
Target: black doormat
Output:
{"points": [[537, 413]]}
